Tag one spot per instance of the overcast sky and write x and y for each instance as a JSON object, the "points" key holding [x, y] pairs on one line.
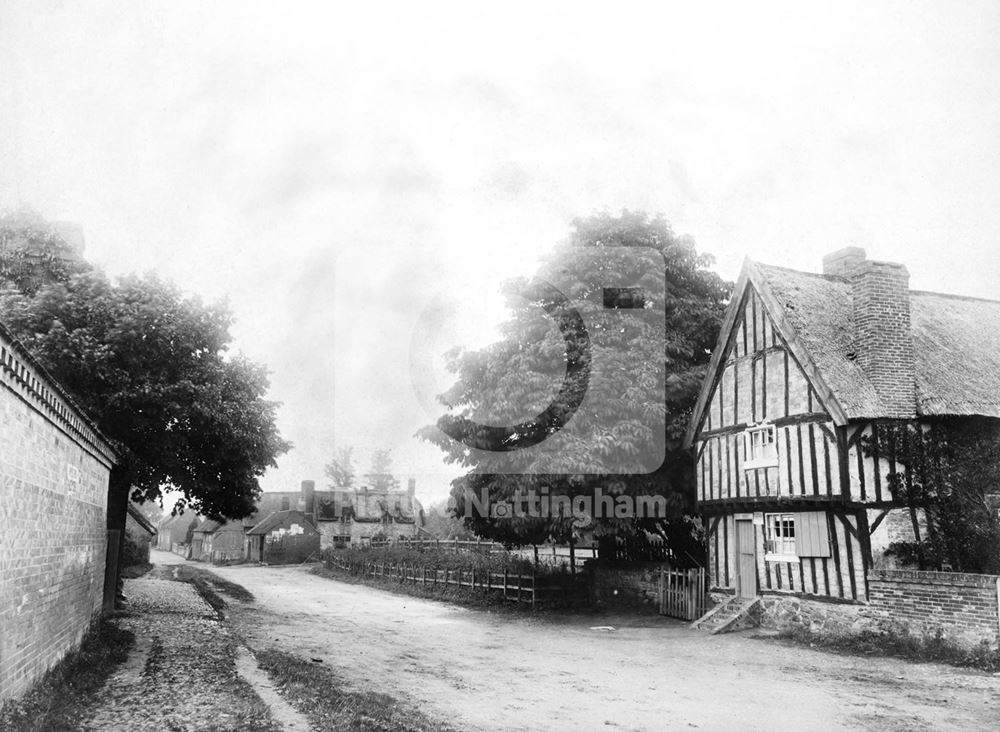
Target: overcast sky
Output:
{"points": [[290, 157]]}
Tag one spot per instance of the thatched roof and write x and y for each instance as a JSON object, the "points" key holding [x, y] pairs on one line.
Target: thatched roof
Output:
{"points": [[956, 343], [820, 311]]}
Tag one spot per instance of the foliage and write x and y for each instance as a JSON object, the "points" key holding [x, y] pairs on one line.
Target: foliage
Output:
{"points": [[950, 474], [441, 523], [435, 558], [151, 367], [894, 640], [493, 384], [340, 470], [319, 694], [380, 475], [135, 552]]}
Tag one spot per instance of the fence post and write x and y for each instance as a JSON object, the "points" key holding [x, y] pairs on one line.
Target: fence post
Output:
{"points": [[535, 547], [474, 579], [532, 592], [505, 584]]}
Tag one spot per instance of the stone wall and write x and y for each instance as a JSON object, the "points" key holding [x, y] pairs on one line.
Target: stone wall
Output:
{"points": [[54, 471], [626, 584], [800, 612], [963, 607]]}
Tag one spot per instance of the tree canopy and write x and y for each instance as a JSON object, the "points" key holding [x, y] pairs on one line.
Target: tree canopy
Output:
{"points": [[640, 375], [151, 367]]}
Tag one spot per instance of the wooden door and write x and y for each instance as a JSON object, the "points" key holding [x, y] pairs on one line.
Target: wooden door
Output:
{"points": [[746, 558]]}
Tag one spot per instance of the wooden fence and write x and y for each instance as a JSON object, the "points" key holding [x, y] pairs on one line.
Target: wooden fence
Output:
{"points": [[683, 593], [524, 588]]}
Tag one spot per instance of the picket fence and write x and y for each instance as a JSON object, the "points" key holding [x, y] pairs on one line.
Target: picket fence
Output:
{"points": [[683, 593]]}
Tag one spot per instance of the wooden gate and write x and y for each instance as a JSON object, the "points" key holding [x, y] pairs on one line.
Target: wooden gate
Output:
{"points": [[682, 593]]}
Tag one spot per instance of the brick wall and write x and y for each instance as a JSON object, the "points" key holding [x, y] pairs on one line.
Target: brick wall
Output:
{"points": [[962, 606], [54, 472]]}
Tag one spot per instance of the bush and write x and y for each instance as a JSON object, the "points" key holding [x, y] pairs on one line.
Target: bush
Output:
{"points": [[435, 558], [136, 551]]}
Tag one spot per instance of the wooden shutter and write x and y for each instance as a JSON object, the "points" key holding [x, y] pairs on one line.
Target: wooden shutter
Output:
{"points": [[812, 536]]}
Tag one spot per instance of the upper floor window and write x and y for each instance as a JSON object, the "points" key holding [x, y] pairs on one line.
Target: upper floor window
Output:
{"points": [[759, 447]]}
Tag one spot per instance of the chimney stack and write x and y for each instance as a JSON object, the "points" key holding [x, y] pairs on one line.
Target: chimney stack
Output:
{"points": [[411, 487], [883, 343], [843, 262], [309, 497]]}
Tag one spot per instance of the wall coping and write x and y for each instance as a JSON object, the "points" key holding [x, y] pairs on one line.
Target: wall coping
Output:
{"points": [[962, 579], [26, 378]]}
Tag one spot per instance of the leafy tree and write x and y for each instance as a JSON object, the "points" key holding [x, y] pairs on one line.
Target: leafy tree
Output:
{"points": [[340, 470], [951, 476], [493, 383], [380, 474], [150, 367], [440, 521]]}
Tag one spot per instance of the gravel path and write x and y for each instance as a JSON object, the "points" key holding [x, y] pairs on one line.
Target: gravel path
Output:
{"points": [[181, 673]]}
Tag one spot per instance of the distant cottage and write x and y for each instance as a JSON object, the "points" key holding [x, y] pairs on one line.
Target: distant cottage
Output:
{"points": [[813, 387], [291, 526]]}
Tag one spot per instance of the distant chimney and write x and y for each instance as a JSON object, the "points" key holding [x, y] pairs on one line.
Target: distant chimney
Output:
{"points": [[883, 343], [309, 497], [843, 262], [411, 487]]}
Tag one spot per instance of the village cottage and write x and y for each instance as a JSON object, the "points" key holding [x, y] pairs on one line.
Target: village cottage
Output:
{"points": [[54, 471], [815, 389]]}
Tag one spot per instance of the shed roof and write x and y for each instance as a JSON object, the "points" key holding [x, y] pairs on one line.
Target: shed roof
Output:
{"points": [[279, 518]]}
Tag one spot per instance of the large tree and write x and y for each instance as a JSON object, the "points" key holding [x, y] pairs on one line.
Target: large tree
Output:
{"points": [[151, 367], [622, 374]]}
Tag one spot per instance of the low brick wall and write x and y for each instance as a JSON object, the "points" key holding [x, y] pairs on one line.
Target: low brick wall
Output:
{"points": [[632, 584], [961, 606]]}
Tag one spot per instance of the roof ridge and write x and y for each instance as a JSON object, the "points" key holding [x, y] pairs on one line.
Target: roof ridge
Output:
{"points": [[953, 296]]}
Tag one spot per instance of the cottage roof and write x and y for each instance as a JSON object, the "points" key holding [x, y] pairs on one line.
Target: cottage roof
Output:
{"points": [[208, 526], [144, 522], [278, 518], [956, 343]]}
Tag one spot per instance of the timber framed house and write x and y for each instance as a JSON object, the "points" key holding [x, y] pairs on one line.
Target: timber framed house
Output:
{"points": [[804, 428]]}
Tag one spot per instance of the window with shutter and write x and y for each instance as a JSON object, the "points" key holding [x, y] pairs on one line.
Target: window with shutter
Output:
{"points": [[780, 543], [813, 536]]}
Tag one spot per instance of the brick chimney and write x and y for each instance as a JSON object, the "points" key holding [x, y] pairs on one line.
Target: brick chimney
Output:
{"points": [[308, 501], [411, 487], [883, 344]]}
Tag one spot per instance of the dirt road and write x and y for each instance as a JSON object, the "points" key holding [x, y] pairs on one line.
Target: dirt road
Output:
{"points": [[497, 672]]}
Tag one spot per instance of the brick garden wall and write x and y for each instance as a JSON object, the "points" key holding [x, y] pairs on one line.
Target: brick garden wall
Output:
{"points": [[962, 606], [53, 499]]}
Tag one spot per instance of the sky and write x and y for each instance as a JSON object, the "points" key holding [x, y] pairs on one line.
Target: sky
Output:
{"points": [[333, 170]]}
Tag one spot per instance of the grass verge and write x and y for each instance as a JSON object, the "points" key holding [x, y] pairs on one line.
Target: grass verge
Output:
{"points": [[900, 644], [58, 700], [317, 692], [136, 570], [211, 587]]}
